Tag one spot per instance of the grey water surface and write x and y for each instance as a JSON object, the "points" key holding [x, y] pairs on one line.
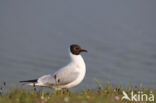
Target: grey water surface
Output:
{"points": [[120, 37]]}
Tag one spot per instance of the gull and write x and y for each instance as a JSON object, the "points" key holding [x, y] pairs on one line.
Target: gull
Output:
{"points": [[68, 76]]}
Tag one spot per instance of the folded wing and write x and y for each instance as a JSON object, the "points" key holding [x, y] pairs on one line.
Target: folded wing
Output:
{"points": [[62, 77]]}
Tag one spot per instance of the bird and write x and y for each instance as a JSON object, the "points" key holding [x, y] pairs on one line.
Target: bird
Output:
{"points": [[66, 77]]}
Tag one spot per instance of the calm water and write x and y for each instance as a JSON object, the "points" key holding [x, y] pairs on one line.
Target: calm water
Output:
{"points": [[120, 37]]}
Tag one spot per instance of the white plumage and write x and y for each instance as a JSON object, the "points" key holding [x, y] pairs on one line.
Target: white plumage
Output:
{"points": [[66, 77]]}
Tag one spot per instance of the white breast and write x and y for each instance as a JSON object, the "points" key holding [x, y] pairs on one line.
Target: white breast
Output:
{"points": [[79, 64]]}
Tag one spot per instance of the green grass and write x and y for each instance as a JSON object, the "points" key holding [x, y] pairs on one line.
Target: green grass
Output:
{"points": [[102, 94]]}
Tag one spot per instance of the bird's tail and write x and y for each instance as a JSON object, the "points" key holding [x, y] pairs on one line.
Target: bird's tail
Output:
{"points": [[29, 82]]}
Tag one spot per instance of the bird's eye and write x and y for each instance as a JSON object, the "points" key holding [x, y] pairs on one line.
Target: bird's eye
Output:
{"points": [[76, 48]]}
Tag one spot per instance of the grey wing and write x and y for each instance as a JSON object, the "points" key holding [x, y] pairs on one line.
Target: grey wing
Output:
{"points": [[64, 77], [46, 80]]}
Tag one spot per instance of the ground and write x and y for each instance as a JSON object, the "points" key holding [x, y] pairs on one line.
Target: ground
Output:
{"points": [[101, 94]]}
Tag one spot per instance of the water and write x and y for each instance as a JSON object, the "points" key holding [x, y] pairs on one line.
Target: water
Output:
{"points": [[120, 37]]}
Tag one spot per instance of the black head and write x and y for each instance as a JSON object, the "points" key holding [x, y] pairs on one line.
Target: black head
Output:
{"points": [[76, 49]]}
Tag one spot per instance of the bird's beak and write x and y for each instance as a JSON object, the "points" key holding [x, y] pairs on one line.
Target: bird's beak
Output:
{"points": [[83, 50]]}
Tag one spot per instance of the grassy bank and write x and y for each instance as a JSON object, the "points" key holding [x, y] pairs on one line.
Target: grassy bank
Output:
{"points": [[102, 94]]}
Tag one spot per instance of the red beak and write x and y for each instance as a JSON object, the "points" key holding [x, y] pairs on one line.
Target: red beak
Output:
{"points": [[82, 50]]}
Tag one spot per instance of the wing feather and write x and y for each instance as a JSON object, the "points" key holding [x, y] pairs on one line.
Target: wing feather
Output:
{"points": [[62, 77]]}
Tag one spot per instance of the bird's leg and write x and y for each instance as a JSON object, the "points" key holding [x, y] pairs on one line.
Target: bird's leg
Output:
{"points": [[63, 91], [42, 94], [34, 87], [67, 90]]}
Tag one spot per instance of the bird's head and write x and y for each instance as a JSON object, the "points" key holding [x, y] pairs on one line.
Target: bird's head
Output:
{"points": [[76, 49]]}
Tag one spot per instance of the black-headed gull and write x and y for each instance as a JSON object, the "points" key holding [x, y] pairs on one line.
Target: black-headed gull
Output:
{"points": [[66, 77]]}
